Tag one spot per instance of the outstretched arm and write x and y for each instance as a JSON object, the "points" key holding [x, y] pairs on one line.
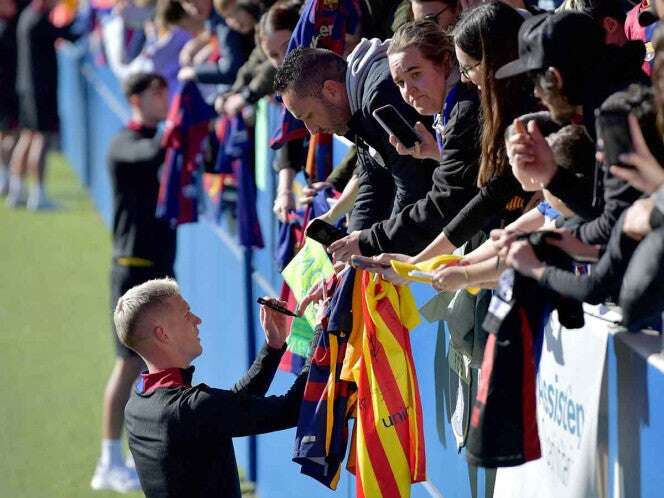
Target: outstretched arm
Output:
{"points": [[258, 378], [226, 413]]}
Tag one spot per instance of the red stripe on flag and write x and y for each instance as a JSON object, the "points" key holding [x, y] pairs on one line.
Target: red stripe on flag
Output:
{"points": [[379, 461], [400, 333], [388, 384], [286, 363]]}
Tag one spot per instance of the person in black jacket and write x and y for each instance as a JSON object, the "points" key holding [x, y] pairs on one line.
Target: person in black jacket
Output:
{"points": [[9, 11], [37, 89], [574, 72], [424, 67], [334, 96], [484, 36], [605, 278], [143, 249], [181, 434]]}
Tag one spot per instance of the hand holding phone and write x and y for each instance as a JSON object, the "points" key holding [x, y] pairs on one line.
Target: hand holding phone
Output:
{"points": [[365, 263], [323, 232], [425, 275], [395, 124], [613, 129]]}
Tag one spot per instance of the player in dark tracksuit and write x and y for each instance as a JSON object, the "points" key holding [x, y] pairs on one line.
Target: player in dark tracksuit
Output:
{"points": [[143, 249], [9, 12], [37, 89]]}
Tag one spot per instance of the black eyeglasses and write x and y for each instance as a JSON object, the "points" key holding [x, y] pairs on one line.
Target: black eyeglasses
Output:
{"points": [[464, 70], [434, 17]]}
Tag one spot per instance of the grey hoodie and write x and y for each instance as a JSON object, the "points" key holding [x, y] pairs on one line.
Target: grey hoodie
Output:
{"points": [[360, 60], [387, 181]]}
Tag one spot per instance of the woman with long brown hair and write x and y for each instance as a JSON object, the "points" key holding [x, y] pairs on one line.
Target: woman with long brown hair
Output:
{"points": [[486, 38]]}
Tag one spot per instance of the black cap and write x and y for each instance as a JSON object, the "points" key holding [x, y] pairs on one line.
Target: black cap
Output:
{"points": [[562, 39], [648, 16]]}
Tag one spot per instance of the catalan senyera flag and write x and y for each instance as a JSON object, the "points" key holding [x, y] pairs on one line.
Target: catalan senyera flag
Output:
{"points": [[389, 439], [363, 368]]}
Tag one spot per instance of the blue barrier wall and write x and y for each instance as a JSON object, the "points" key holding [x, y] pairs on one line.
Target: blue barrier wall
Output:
{"points": [[212, 271]]}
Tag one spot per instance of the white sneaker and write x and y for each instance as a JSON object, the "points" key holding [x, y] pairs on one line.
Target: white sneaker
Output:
{"points": [[16, 193], [4, 182], [38, 201], [117, 478]]}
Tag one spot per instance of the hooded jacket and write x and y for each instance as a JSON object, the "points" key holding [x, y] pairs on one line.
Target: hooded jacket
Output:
{"points": [[601, 200], [454, 185], [387, 181]]}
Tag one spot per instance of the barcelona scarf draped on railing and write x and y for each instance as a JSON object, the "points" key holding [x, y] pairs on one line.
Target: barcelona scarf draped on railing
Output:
{"points": [[180, 183], [236, 156], [363, 367]]}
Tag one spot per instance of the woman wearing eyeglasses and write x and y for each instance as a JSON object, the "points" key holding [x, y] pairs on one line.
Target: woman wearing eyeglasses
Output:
{"points": [[444, 13], [484, 38], [423, 65]]}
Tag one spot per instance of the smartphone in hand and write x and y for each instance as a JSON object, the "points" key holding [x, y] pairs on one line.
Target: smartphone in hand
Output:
{"points": [[323, 232], [613, 129], [395, 124], [276, 307], [364, 263], [421, 274]]}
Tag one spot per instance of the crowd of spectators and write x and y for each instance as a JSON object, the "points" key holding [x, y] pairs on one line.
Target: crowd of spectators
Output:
{"points": [[527, 121]]}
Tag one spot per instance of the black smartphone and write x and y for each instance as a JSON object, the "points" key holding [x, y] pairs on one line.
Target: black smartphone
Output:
{"points": [[275, 307], [395, 124], [365, 263], [613, 129], [323, 232]]}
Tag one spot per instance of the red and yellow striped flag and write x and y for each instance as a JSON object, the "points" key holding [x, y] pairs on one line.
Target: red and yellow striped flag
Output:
{"points": [[389, 449]]}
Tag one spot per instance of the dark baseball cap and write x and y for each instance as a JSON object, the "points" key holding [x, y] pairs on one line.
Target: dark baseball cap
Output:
{"points": [[561, 39]]}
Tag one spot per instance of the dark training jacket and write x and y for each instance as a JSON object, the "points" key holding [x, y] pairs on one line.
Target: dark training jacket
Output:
{"points": [[454, 185], [134, 158], [37, 62], [602, 199], [180, 435], [604, 280]]}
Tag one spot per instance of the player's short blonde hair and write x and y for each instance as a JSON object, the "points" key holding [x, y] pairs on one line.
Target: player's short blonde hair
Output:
{"points": [[134, 304]]}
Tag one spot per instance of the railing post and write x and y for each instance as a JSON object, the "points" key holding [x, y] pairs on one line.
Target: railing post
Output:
{"points": [[661, 333], [251, 346]]}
